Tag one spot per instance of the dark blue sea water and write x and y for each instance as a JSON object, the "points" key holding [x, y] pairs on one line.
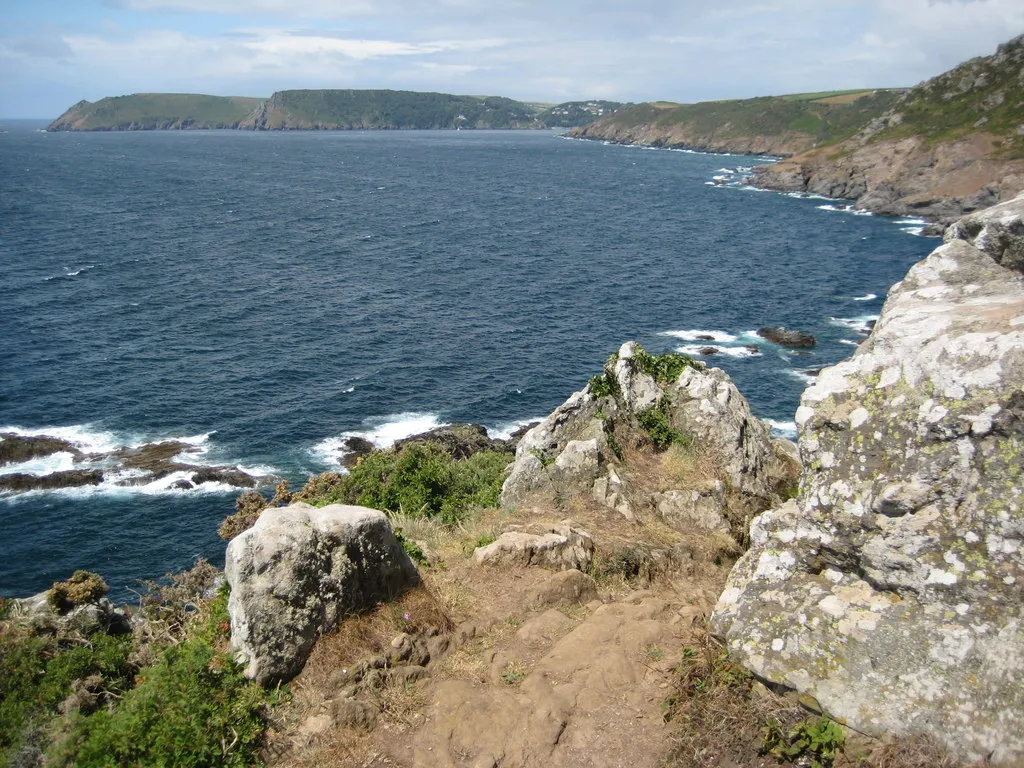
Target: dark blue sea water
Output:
{"points": [[263, 294]]}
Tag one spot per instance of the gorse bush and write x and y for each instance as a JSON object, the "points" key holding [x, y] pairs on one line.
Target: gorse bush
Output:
{"points": [[192, 707], [418, 479]]}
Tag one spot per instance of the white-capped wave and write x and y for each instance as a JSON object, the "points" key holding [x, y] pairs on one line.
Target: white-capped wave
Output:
{"points": [[911, 220], [382, 431], [62, 461], [697, 350], [84, 437], [844, 209], [861, 324], [504, 430], [918, 231], [866, 297], [698, 335], [783, 428], [804, 376], [850, 342], [71, 272]]}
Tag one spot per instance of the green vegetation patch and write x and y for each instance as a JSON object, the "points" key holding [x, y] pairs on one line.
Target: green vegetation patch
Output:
{"points": [[665, 369], [149, 111], [419, 479]]}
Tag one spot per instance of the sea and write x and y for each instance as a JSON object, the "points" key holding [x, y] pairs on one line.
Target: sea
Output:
{"points": [[260, 296]]}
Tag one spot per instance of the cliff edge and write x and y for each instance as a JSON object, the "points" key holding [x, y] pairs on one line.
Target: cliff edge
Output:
{"points": [[892, 588]]}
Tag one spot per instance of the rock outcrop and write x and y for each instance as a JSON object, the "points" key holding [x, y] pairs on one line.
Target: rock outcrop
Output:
{"points": [[298, 571], [126, 467], [558, 548], [577, 449], [892, 588]]}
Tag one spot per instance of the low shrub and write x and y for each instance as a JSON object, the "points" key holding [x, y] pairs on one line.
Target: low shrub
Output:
{"points": [[419, 480], [665, 369], [655, 423], [83, 587]]}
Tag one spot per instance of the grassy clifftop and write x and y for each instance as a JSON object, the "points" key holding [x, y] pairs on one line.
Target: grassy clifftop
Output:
{"points": [[156, 111], [781, 124], [983, 95], [369, 109]]}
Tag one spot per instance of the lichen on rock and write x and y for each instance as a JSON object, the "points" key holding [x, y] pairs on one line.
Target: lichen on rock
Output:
{"points": [[891, 588], [298, 571]]}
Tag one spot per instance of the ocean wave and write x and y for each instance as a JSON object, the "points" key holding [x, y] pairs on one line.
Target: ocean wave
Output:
{"points": [[697, 350], [699, 335], [866, 297], [70, 273], [783, 428], [802, 375], [917, 231], [382, 431], [115, 455], [844, 209], [860, 324], [504, 430]]}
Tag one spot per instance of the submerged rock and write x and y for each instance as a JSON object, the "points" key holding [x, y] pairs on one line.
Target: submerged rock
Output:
{"points": [[298, 571], [892, 588]]}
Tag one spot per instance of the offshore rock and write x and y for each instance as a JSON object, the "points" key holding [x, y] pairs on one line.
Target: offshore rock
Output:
{"points": [[892, 588], [298, 571], [786, 338]]}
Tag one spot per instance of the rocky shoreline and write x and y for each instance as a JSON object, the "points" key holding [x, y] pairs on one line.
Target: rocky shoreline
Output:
{"points": [[125, 467]]}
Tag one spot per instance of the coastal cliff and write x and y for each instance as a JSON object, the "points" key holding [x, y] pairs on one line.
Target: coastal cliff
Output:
{"points": [[768, 125], [951, 145], [890, 589], [156, 112]]}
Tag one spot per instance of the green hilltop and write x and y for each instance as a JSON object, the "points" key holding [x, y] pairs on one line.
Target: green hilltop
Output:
{"points": [[156, 111], [325, 109]]}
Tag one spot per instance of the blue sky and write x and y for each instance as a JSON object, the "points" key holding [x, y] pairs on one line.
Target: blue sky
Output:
{"points": [[55, 52]]}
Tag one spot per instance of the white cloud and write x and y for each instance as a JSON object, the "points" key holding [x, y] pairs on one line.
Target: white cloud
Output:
{"points": [[648, 49]]}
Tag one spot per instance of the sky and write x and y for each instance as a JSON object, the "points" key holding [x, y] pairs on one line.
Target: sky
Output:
{"points": [[55, 52]]}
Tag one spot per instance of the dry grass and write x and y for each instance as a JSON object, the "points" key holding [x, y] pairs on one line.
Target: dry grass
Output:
{"points": [[719, 713], [906, 752]]}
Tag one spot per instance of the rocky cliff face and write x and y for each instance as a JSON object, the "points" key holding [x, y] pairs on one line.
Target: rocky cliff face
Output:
{"points": [[578, 449], [892, 588], [952, 145]]}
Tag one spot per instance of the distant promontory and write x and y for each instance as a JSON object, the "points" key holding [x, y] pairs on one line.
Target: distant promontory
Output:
{"points": [[325, 109]]}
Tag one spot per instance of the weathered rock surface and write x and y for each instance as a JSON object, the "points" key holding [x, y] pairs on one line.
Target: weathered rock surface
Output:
{"points": [[575, 450], [99, 615], [892, 588], [460, 441], [558, 548], [299, 570]]}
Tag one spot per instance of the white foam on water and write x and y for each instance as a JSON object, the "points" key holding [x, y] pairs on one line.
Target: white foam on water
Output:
{"points": [[866, 297], [783, 428], [382, 431], [849, 342], [917, 231], [694, 350], [84, 437], [860, 324], [504, 430], [62, 461], [803, 376], [911, 220], [695, 335]]}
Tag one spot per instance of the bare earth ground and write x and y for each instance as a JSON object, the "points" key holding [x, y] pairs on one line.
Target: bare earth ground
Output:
{"points": [[530, 677]]}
